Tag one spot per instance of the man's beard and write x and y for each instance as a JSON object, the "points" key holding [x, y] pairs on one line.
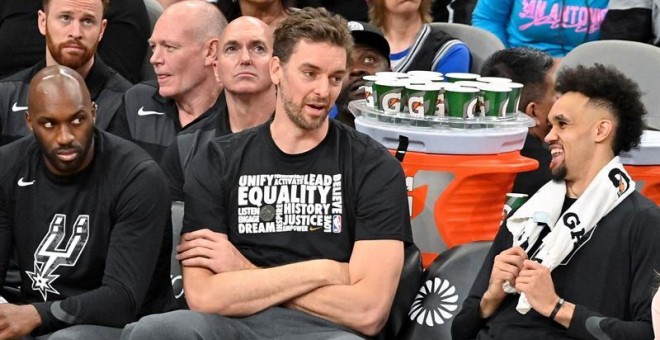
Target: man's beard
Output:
{"points": [[559, 173], [296, 115], [71, 61], [67, 168]]}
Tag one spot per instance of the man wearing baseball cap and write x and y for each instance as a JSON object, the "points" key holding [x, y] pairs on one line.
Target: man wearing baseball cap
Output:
{"points": [[371, 54]]}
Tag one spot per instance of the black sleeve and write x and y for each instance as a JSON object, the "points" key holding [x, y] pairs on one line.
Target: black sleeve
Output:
{"points": [[5, 239], [171, 165], [204, 191], [124, 43], [468, 322], [119, 124], [588, 324], [630, 24], [382, 208], [141, 214]]}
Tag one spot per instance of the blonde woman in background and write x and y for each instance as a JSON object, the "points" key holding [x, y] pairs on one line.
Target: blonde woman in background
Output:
{"points": [[415, 44]]}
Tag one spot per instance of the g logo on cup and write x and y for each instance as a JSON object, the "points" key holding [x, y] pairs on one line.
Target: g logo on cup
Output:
{"points": [[392, 102], [470, 107], [416, 106]]}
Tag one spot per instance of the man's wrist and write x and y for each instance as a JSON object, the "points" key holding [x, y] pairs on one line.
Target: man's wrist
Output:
{"points": [[554, 312], [488, 305]]}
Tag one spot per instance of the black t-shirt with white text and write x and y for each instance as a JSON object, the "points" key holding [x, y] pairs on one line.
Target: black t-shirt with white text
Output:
{"points": [[278, 208]]}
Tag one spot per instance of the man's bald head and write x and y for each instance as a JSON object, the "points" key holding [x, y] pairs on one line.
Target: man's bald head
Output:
{"points": [[200, 19], [246, 48], [184, 46], [248, 23], [61, 116], [57, 83]]}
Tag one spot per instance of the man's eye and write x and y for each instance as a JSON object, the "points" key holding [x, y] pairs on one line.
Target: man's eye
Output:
{"points": [[76, 121], [369, 60], [335, 80], [48, 125]]}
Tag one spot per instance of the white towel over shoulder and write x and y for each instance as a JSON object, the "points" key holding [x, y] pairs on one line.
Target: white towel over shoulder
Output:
{"points": [[611, 185]]}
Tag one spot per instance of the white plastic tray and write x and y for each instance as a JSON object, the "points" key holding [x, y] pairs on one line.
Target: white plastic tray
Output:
{"points": [[440, 135], [359, 108]]}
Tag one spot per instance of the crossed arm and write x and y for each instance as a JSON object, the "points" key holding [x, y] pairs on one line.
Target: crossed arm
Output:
{"points": [[218, 279]]}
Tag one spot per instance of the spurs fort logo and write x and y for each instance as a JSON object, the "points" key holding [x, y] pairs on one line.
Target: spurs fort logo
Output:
{"points": [[49, 256]]}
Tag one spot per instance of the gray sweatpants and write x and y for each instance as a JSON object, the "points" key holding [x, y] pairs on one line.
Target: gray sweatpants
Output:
{"points": [[82, 332], [273, 323]]}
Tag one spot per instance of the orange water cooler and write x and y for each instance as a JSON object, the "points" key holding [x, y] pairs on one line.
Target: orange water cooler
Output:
{"points": [[457, 178], [643, 165]]}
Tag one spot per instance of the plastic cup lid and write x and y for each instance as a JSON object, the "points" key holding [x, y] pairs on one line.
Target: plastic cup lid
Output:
{"points": [[475, 84], [425, 87], [425, 74], [462, 89], [391, 82], [417, 81], [514, 85], [370, 78], [397, 75], [462, 75], [447, 86], [495, 87]]}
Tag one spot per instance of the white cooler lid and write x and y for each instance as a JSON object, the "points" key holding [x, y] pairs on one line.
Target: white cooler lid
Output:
{"points": [[648, 152]]}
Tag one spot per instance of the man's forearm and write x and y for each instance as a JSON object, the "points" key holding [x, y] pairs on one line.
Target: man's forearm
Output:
{"points": [[488, 305], [245, 292], [355, 306], [364, 304]]}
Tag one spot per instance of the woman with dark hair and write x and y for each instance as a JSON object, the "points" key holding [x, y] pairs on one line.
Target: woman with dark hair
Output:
{"points": [[269, 11], [415, 44]]}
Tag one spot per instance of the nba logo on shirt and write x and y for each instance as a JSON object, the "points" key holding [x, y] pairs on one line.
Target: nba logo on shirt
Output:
{"points": [[336, 224]]}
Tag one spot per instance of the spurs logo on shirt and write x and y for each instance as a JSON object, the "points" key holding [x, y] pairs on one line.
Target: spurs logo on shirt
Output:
{"points": [[283, 203], [51, 254]]}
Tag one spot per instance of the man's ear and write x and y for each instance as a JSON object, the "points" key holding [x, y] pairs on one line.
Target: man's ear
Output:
{"points": [[28, 120], [104, 24], [94, 108], [604, 128], [211, 52], [216, 73], [275, 70], [530, 110], [41, 22]]}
